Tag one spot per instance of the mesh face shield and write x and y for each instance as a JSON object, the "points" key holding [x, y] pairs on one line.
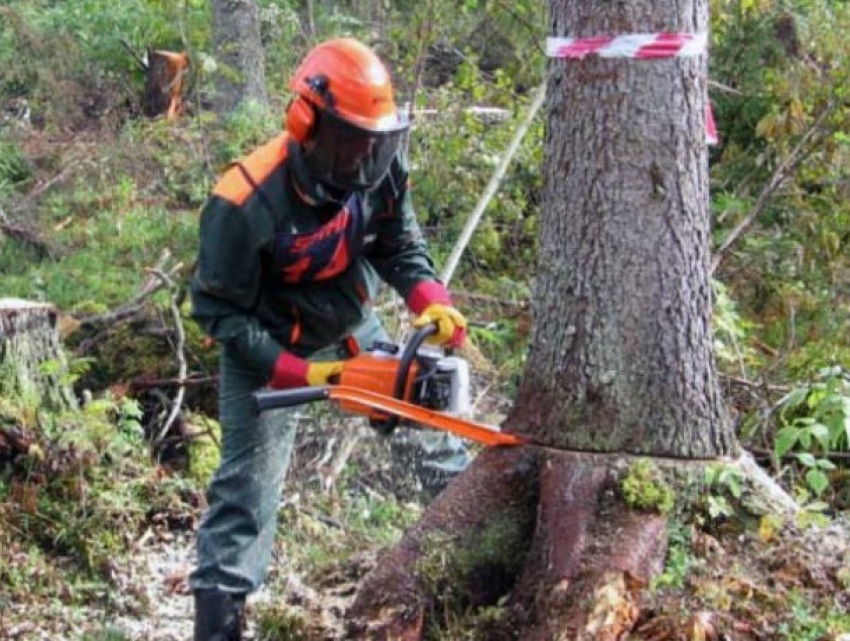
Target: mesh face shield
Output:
{"points": [[347, 157]]}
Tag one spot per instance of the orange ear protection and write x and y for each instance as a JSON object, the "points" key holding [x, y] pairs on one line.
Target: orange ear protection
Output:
{"points": [[300, 119]]}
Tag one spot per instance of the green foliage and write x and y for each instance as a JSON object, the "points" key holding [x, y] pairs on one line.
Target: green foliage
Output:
{"points": [[680, 558], [14, 168], [643, 488], [204, 449], [731, 332], [315, 541], [787, 67], [722, 482], [280, 623], [806, 622], [83, 489], [815, 419]]}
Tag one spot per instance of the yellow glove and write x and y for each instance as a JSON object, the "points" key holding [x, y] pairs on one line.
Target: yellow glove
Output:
{"points": [[320, 372], [450, 322]]}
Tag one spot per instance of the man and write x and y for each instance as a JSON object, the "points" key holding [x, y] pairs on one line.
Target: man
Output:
{"points": [[293, 240]]}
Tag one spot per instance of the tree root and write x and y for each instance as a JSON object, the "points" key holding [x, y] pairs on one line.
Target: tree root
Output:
{"points": [[564, 542], [545, 528], [468, 547]]}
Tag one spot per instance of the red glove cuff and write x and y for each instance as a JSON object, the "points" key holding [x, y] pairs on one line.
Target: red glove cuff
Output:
{"points": [[289, 371], [458, 337], [426, 293]]}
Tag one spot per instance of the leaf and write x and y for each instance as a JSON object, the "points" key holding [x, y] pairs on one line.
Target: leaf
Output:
{"points": [[821, 433], [825, 464], [807, 459], [817, 480], [785, 440], [794, 398]]}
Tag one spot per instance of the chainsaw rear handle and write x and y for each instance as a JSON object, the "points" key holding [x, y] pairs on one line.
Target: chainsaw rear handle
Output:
{"points": [[276, 398]]}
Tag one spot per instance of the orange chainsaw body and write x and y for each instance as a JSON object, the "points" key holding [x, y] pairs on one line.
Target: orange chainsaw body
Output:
{"points": [[374, 373]]}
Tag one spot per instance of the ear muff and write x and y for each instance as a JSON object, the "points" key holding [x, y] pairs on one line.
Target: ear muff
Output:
{"points": [[300, 119]]}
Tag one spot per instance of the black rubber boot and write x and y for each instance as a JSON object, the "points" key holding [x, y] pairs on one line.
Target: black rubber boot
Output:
{"points": [[218, 616]]}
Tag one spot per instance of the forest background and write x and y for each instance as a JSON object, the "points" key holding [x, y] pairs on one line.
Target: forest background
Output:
{"points": [[96, 199]]}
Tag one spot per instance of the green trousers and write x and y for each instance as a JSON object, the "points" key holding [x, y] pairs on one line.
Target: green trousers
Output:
{"points": [[236, 535]]}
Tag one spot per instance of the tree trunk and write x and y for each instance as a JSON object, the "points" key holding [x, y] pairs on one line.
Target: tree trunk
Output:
{"points": [[239, 54], [620, 362], [621, 355], [32, 364]]}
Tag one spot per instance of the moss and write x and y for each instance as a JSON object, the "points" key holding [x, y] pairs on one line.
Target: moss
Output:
{"points": [[204, 449], [464, 573], [643, 488], [281, 623]]}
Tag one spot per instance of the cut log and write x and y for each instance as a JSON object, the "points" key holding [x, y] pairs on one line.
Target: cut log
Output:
{"points": [[164, 83], [33, 367]]}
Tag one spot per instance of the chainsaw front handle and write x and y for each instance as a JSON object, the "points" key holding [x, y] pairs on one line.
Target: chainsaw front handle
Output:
{"points": [[277, 398]]}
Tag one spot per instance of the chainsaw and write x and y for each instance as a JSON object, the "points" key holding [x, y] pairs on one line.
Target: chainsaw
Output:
{"points": [[389, 384]]}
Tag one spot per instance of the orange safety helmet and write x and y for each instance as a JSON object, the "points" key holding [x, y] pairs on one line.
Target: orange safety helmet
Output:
{"points": [[344, 115]]}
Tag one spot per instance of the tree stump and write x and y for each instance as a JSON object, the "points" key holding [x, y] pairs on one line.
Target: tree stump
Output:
{"points": [[164, 83], [32, 363]]}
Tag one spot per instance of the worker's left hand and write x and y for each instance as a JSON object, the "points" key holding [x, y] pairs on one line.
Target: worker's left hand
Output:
{"points": [[450, 323]]}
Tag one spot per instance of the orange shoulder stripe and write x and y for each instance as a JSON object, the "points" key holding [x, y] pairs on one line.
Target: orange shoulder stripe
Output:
{"points": [[235, 187]]}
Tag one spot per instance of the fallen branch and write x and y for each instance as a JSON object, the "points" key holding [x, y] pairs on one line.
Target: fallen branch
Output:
{"points": [[783, 171], [24, 234], [138, 384], [784, 389], [179, 349], [134, 305], [38, 190]]}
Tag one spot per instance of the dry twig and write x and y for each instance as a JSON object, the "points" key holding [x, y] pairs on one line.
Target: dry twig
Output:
{"points": [[179, 349]]}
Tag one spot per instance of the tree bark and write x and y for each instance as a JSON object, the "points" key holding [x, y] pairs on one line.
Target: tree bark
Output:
{"points": [[239, 54], [620, 357], [32, 364]]}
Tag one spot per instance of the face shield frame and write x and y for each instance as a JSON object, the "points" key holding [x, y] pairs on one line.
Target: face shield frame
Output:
{"points": [[348, 157]]}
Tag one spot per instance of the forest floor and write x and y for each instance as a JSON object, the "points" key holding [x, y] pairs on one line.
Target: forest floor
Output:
{"points": [[731, 577]]}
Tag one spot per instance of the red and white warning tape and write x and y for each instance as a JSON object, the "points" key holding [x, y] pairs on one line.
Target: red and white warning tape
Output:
{"points": [[634, 45], [643, 46]]}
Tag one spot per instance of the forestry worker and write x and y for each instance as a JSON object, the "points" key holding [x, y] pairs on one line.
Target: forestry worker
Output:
{"points": [[293, 242]]}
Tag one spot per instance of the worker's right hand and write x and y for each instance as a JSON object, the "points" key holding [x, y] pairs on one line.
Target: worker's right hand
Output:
{"points": [[322, 372], [291, 371]]}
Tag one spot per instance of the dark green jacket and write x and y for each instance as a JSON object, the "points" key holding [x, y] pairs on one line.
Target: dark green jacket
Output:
{"points": [[275, 272]]}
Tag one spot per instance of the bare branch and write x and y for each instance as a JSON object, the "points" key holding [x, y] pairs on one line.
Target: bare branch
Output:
{"points": [[22, 233], [134, 305], [143, 383], [179, 349], [38, 190], [783, 171]]}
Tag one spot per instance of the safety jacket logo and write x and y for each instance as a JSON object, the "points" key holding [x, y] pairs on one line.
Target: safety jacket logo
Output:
{"points": [[324, 252]]}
